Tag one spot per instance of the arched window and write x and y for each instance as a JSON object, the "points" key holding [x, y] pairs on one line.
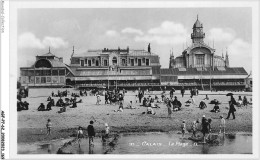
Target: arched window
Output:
{"points": [[114, 60], [43, 63]]}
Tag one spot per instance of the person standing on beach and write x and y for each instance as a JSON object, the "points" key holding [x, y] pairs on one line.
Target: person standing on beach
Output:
{"points": [[232, 110], [169, 106], [106, 130], [98, 100], [91, 135], [171, 92], [106, 98], [80, 135], [140, 95], [205, 129], [232, 99], [48, 126], [209, 127], [222, 125], [182, 91], [194, 129], [136, 99], [183, 128], [245, 102]]}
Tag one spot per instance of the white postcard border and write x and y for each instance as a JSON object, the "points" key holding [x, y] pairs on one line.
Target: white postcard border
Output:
{"points": [[12, 73]]}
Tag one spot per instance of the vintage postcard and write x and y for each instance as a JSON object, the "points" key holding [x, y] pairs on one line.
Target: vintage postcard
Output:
{"points": [[130, 79]]}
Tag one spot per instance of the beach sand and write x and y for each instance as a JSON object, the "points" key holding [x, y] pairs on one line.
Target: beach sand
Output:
{"points": [[32, 123]]}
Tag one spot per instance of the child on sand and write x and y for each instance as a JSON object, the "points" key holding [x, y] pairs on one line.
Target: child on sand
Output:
{"points": [[130, 105], [98, 100], [150, 110], [209, 126], [48, 126], [120, 109], [183, 128], [194, 129], [207, 98], [136, 99], [106, 130], [222, 124], [80, 135]]}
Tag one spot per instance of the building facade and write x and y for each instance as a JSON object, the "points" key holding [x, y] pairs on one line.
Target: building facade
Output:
{"points": [[197, 66], [47, 71], [199, 54], [115, 67]]}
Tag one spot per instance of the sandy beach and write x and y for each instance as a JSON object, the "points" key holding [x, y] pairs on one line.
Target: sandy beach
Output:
{"points": [[31, 123]]}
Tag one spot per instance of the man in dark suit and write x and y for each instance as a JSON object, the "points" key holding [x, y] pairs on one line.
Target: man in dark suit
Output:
{"points": [[232, 110], [182, 91], [91, 135], [140, 95]]}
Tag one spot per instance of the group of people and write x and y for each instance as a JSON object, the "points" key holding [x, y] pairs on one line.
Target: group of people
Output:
{"points": [[173, 105], [80, 134], [60, 103], [243, 101], [60, 94], [42, 107], [83, 93], [205, 128], [194, 92], [113, 97], [22, 105]]}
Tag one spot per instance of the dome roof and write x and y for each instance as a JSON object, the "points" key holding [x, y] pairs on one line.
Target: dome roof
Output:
{"points": [[197, 24]]}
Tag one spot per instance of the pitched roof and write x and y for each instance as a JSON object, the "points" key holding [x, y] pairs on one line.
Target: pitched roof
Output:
{"points": [[47, 55], [56, 63], [207, 71]]}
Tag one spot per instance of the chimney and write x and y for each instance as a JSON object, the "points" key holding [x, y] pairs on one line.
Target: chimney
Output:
{"points": [[61, 59]]}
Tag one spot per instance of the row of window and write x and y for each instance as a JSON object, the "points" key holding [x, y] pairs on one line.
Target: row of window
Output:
{"points": [[124, 72], [123, 62], [54, 72], [42, 79]]}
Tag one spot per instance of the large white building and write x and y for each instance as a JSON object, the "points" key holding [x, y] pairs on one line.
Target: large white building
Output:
{"points": [[199, 54]]}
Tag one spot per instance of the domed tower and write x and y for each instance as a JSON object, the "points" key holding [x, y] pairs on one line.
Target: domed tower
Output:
{"points": [[198, 35], [171, 63]]}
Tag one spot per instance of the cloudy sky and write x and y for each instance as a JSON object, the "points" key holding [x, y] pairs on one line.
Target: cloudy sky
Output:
{"points": [[166, 29]]}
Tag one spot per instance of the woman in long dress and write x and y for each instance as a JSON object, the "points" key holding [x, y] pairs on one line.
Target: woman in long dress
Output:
{"points": [[169, 106]]}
